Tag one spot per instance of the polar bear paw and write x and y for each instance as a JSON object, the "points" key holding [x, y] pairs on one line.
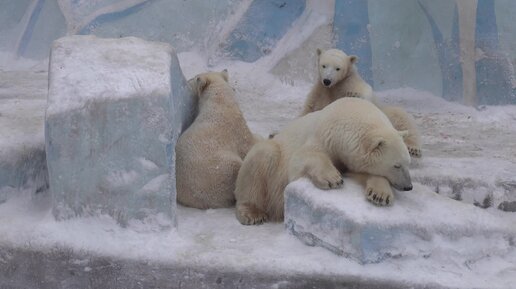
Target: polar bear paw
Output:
{"points": [[379, 197], [249, 214], [328, 179], [414, 152]]}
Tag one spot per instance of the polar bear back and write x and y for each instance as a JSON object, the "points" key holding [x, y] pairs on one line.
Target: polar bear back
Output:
{"points": [[358, 112], [350, 118]]}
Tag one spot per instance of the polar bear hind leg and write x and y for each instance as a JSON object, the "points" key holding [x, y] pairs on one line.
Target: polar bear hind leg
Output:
{"points": [[252, 182], [401, 120], [215, 190]]}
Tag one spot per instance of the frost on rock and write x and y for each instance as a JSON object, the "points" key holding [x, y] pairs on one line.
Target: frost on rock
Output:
{"points": [[419, 224], [115, 110]]}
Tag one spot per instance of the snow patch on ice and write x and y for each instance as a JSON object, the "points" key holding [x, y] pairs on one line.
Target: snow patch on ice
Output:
{"points": [[147, 164], [121, 178], [154, 185], [136, 70]]}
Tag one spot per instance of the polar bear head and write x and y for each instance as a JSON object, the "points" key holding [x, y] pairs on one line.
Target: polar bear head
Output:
{"points": [[334, 65], [202, 81], [385, 154]]}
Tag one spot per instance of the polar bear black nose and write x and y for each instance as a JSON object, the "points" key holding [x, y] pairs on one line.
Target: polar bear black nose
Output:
{"points": [[326, 82], [409, 188]]}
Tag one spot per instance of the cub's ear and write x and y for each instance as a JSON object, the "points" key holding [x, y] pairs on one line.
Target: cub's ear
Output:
{"points": [[353, 59], [403, 133], [319, 51], [201, 82], [225, 74], [374, 145]]}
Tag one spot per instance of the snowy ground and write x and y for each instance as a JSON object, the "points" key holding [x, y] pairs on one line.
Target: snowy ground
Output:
{"points": [[451, 133]]}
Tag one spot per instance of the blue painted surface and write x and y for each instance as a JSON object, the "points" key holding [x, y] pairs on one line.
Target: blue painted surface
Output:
{"points": [[493, 70], [27, 34], [46, 23], [448, 52], [264, 23], [403, 43], [350, 28], [111, 17]]}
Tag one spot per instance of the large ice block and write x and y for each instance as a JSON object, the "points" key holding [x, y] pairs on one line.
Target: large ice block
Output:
{"points": [[419, 223], [115, 110]]}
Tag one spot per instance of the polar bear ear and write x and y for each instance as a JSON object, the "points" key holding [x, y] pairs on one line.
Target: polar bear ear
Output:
{"points": [[201, 83], [374, 144], [319, 51], [403, 133], [353, 59], [225, 74]]}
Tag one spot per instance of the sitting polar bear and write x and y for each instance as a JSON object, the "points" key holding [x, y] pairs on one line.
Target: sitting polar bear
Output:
{"points": [[210, 152], [338, 77], [350, 133]]}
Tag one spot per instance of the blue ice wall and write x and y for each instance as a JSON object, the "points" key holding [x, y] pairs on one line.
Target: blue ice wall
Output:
{"points": [[425, 44], [263, 24], [493, 69], [448, 54], [351, 33]]}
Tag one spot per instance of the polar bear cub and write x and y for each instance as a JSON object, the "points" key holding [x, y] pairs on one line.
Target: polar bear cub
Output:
{"points": [[338, 77], [210, 152], [350, 133]]}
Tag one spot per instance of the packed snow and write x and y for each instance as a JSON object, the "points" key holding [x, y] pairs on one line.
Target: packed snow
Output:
{"points": [[214, 238]]}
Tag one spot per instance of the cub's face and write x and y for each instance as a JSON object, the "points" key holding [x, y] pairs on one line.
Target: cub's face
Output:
{"points": [[389, 157], [334, 66]]}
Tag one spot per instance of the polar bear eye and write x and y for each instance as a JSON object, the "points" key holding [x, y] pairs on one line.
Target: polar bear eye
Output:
{"points": [[338, 68], [324, 66], [397, 166]]}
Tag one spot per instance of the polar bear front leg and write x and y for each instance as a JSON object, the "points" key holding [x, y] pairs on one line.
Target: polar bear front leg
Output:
{"points": [[378, 191], [317, 166]]}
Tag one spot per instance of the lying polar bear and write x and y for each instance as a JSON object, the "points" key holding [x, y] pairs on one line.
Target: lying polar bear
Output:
{"points": [[349, 133]]}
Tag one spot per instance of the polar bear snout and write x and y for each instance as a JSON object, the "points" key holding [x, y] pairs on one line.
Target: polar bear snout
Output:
{"points": [[401, 180], [326, 82], [409, 188], [403, 187]]}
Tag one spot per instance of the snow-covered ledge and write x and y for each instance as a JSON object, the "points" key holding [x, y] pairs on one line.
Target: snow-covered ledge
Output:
{"points": [[115, 110], [419, 224]]}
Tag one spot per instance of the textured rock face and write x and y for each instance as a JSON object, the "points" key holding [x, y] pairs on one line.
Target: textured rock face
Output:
{"points": [[115, 110], [417, 225]]}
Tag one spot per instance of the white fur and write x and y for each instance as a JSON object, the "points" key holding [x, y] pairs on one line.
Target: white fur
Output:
{"points": [[210, 152], [350, 133], [338, 70]]}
